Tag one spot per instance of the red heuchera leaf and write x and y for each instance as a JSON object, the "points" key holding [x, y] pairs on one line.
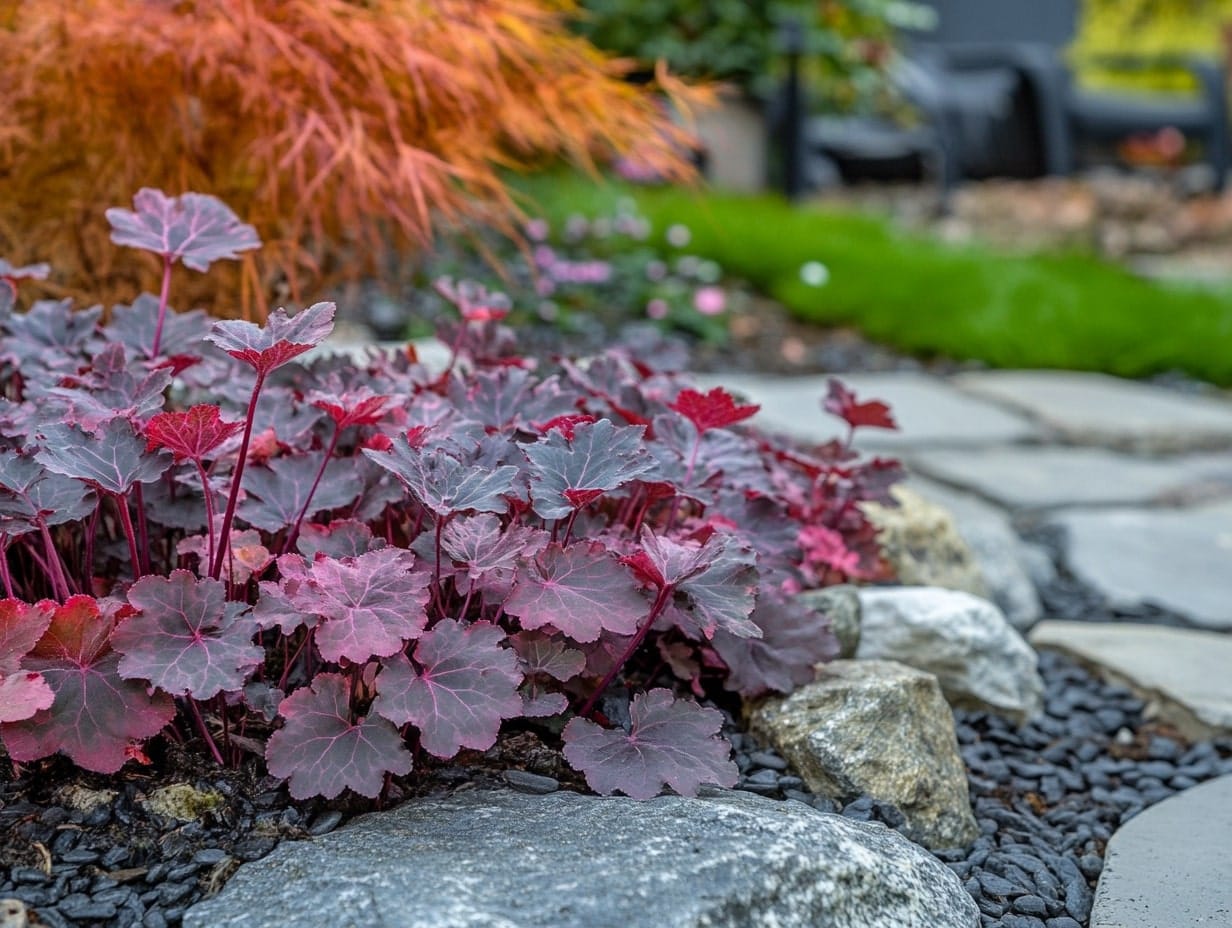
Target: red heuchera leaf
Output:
{"points": [[841, 402], [22, 692], [672, 742], [190, 435], [369, 605], [194, 228], [716, 409], [323, 752], [111, 461], [581, 590], [186, 638], [355, 407], [599, 457], [283, 338], [566, 424], [826, 547], [465, 684], [444, 484], [96, 713]]}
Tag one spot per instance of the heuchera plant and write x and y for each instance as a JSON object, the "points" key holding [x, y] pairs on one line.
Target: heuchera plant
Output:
{"points": [[341, 565]]}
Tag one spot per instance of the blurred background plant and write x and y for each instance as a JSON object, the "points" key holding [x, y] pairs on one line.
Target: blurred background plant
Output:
{"points": [[848, 44], [340, 129]]}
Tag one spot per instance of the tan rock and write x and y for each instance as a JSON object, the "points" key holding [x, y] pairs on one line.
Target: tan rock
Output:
{"points": [[923, 545], [881, 728], [183, 802]]}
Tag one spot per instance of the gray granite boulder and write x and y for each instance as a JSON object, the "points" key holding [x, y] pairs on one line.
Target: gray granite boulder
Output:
{"points": [[922, 544], [841, 604], [880, 728], [500, 859], [966, 642]]}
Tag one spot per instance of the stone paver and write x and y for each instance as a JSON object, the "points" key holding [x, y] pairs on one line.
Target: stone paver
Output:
{"points": [[1180, 559], [1185, 675], [1095, 409], [1169, 867], [928, 410], [1040, 477]]}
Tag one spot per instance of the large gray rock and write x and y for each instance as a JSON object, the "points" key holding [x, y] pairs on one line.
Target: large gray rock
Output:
{"points": [[1038, 478], [1168, 867], [1095, 409], [979, 659], [842, 605], [1180, 559], [880, 728], [1185, 676], [921, 543], [1004, 560], [508, 860]]}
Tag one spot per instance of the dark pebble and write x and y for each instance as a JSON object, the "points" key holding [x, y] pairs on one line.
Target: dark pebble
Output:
{"points": [[154, 918], [170, 893], [209, 856], [1021, 921], [521, 780], [1063, 921], [80, 856], [326, 822], [252, 848], [767, 760], [91, 912], [1030, 905], [114, 858], [29, 875]]}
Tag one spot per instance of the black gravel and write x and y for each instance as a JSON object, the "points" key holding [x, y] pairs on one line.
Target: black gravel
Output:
{"points": [[1047, 796]]}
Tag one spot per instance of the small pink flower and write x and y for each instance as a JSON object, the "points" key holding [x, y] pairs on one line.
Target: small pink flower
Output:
{"points": [[544, 255], [537, 230], [710, 301], [657, 309]]}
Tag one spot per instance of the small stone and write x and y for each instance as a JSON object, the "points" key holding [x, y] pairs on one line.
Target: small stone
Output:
{"points": [[324, 823], [841, 604], [768, 760], [534, 783], [183, 802], [13, 914], [1030, 905], [209, 856]]}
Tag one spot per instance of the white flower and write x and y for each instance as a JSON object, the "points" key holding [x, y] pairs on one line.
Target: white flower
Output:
{"points": [[678, 235], [815, 274]]}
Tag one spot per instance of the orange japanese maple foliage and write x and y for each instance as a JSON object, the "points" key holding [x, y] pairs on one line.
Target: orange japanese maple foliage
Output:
{"points": [[339, 128]]}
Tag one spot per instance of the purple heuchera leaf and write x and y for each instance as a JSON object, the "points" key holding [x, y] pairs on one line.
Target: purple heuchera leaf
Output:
{"points": [[195, 228], [96, 712], [111, 461], [442, 483], [718, 578], [109, 390], [463, 683], [131, 326], [543, 654], [25, 272], [487, 551], [28, 491], [672, 742], [277, 493], [565, 474], [323, 752], [283, 338], [186, 638], [369, 605], [794, 640], [341, 538], [581, 590]]}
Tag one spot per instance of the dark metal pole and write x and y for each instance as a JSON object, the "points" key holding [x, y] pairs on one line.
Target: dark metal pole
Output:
{"points": [[791, 42]]}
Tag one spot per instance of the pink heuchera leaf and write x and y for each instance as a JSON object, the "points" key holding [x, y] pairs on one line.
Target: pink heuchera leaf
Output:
{"points": [[274, 604], [581, 590], [824, 546], [542, 654], [22, 692], [841, 402], [369, 605], [716, 409], [111, 461], [341, 538], [282, 339], [568, 473], [248, 556], [672, 742], [195, 228], [96, 712], [487, 551], [355, 407], [186, 638], [192, 435], [460, 688], [322, 752]]}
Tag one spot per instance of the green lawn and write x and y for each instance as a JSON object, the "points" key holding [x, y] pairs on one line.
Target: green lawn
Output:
{"points": [[920, 295]]}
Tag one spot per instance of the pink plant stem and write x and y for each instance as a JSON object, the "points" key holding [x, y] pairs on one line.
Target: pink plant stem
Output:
{"points": [[660, 604], [130, 533], [5, 576], [299, 519], [143, 533], [205, 732], [55, 569], [88, 555], [224, 535], [162, 306], [209, 511]]}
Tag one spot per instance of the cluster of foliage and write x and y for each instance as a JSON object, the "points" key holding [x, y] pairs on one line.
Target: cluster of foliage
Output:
{"points": [[339, 128], [339, 565], [1164, 30], [591, 278], [848, 43]]}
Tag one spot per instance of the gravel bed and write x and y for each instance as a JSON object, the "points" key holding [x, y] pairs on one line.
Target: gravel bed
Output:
{"points": [[1047, 796]]}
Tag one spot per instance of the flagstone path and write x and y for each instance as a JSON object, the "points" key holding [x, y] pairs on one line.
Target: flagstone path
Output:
{"points": [[1137, 479]]}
